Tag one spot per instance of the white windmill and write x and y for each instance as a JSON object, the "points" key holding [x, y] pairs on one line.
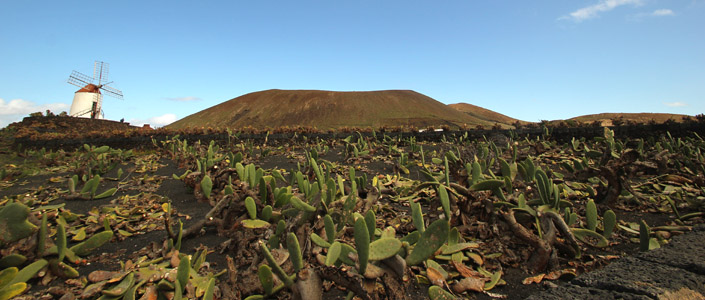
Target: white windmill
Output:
{"points": [[87, 101]]}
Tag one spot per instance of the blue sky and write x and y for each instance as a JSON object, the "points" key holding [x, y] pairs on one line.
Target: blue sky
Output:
{"points": [[531, 60]]}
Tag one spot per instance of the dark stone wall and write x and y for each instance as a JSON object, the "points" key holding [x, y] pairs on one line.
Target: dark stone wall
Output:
{"points": [[557, 134]]}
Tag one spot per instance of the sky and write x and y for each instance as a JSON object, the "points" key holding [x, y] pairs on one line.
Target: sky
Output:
{"points": [[531, 60]]}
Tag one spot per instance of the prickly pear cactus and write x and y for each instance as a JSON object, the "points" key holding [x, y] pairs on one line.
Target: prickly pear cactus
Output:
{"points": [[13, 223]]}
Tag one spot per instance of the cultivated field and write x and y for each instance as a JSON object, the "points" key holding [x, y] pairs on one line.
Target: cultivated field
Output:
{"points": [[369, 215]]}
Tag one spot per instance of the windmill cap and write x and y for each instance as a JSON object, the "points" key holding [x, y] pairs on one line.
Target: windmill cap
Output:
{"points": [[89, 88]]}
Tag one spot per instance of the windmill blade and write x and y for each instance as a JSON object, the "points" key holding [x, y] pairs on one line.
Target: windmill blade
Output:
{"points": [[78, 79], [100, 71], [112, 92]]}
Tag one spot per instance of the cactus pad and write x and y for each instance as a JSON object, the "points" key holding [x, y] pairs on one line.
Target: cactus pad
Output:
{"points": [[13, 223]]}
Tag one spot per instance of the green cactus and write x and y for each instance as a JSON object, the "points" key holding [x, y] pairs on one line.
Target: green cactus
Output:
{"points": [[446, 170], [251, 207], [106, 194], [183, 271], [177, 245], [292, 244], [91, 186], [331, 191], [274, 240], [301, 205], [384, 248], [527, 169], [7, 274], [241, 174], [362, 244], [433, 238], [282, 196], [199, 259], [581, 233], [646, 242], [266, 213], [610, 221], [286, 279], [210, 290], [11, 290], [476, 173], [319, 175], [266, 278], [316, 239], [165, 285], [438, 293], [253, 175], [417, 216], [345, 251], [100, 150], [42, 236], [330, 228], [487, 185], [61, 241], [508, 170], [13, 223], [206, 186], [544, 185], [61, 269], [333, 253], [72, 185], [370, 221], [228, 190], [178, 293], [97, 240], [341, 185], [494, 279], [591, 215], [29, 271], [569, 217], [263, 190], [12, 260], [453, 236], [445, 201]]}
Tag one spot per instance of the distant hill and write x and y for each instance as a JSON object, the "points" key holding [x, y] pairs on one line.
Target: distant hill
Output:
{"points": [[484, 114], [328, 109], [607, 118]]}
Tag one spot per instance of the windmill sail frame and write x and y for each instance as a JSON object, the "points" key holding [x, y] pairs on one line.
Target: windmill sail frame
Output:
{"points": [[88, 100]]}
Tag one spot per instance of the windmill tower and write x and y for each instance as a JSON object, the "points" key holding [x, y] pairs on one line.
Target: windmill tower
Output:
{"points": [[87, 101]]}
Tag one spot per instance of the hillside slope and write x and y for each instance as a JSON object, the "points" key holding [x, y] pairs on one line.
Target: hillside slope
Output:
{"points": [[606, 118], [328, 109], [484, 114]]}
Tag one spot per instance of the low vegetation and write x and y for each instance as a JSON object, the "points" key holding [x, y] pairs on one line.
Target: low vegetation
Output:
{"points": [[366, 216]]}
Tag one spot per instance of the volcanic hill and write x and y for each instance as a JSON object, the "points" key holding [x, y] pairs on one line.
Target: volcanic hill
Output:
{"points": [[328, 109], [484, 114], [643, 118]]}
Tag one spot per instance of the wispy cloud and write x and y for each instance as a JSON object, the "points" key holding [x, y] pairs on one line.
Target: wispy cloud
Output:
{"points": [[184, 99], [675, 104], [158, 121], [663, 13], [593, 11], [16, 109]]}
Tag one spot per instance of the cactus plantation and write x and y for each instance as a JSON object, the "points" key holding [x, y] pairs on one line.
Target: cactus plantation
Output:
{"points": [[365, 215]]}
